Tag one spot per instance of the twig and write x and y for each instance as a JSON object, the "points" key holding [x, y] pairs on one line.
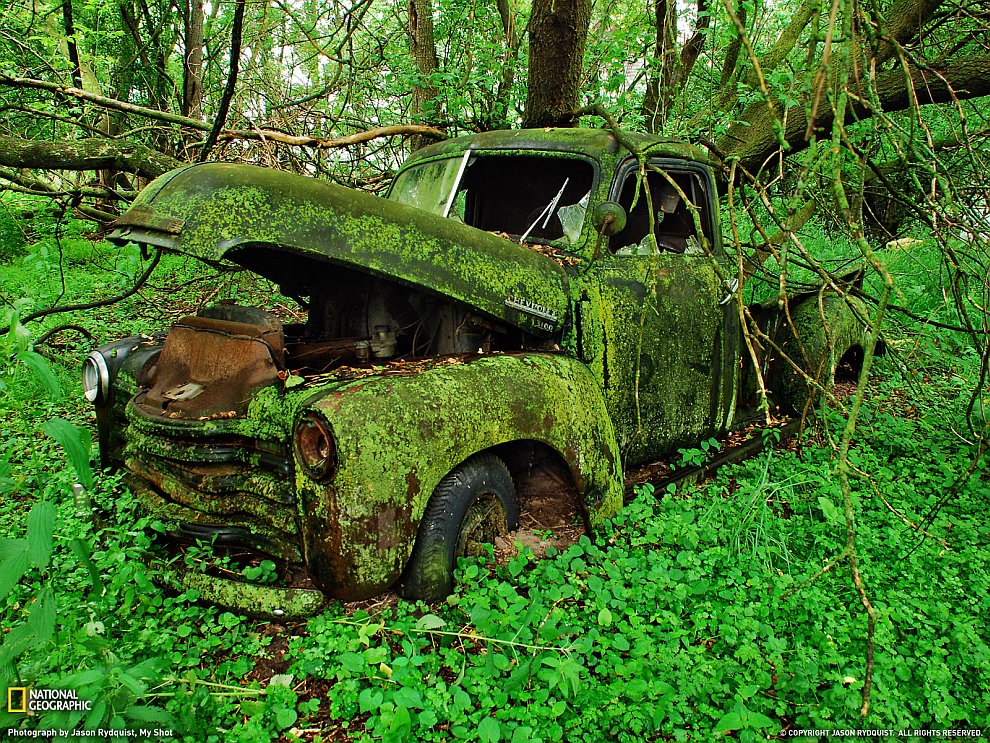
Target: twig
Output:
{"points": [[258, 134], [92, 305], [42, 339]]}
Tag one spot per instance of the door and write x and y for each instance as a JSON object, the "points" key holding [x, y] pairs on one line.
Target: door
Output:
{"points": [[654, 323]]}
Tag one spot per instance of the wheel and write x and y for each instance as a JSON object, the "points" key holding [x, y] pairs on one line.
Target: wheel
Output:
{"points": [[470, 507]]}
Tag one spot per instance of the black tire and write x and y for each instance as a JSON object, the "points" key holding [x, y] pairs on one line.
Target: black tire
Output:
{"points": [[471, 506]]}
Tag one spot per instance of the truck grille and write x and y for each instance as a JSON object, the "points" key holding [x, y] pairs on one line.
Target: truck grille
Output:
{"points": [[218, 480]]}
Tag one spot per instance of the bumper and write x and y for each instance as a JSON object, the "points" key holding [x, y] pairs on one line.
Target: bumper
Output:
{"points": [[246, 598]]}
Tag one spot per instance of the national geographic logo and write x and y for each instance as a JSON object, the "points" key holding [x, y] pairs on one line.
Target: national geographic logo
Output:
{"points": [[17, 699], [28, 700]]}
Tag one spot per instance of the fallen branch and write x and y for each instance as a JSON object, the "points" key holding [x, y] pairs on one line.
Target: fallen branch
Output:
{"points": [[85, 154], [45, 337], [263, 135], [377, 132]]}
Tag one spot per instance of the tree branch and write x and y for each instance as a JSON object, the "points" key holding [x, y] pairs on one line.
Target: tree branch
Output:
{"points": [[262, 135], [92, 305], [754, 140], [85, 154], [228, 91]]}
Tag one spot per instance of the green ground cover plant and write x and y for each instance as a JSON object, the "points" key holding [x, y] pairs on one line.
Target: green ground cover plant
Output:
{"points": [[699, 615]]}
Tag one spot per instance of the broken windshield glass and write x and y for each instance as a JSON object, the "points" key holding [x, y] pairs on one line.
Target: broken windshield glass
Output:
{"points": [[541, 198]]}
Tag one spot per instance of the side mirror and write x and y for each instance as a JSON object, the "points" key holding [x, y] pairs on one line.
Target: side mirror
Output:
{"points": [[609, 218]]}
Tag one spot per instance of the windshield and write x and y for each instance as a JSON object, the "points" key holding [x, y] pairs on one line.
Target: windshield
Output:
{"points": [[543, 198]]}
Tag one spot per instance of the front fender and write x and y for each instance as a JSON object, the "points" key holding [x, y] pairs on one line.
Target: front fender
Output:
{"points": [[398, 435]]}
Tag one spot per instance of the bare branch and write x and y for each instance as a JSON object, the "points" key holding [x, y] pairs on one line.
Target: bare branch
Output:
{"points": [[261, 135]]}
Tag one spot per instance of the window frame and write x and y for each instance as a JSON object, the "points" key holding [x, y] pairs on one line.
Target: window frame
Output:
{"points": [[710, 221]]}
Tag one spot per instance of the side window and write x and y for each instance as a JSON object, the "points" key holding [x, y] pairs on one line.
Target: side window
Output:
{"points": [[677, 197]]}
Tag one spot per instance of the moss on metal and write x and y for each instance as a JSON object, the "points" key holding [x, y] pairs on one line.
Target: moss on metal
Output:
{"points": [[397, 437], [648, 335], [210, 210], [594, 143], [823, 328], [645, 363]]}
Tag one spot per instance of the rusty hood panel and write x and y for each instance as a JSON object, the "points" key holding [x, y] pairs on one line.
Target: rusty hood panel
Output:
{"points": [[212, 210]]}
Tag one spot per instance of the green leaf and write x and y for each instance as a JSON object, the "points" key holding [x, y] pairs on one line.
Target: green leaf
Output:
{"points": [[520, 675], [759, 720], [748, 691], [16, 642], [83, 678], [95, 716], [145, 713], [281, 679], [370, 699], [731, 721], [636, 689], [400, 726], [11, 571], [82, 552], [489, 730], [77, 444], [40, 527], [430, 622], [293, 381], [605, 617], [828, 508], [132, 684], [42, 618], [42, 371], [11, 547], [285, 717]]}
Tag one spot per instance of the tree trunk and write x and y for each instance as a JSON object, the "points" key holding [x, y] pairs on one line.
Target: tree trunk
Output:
{"points": [[558, 30], [422, 48], [656, 101], [902, 22], [754, 140], [70, 39], [192, 62]]}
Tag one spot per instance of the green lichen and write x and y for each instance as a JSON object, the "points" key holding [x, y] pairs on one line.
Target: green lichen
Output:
{"points": [[397, 437], [649, 337], [224, 206], [250, 598], [818, 331], [645, 363]]}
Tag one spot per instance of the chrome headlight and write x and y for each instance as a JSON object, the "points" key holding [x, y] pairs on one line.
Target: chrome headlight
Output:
{"points": [[96, 378], [315, 446]]}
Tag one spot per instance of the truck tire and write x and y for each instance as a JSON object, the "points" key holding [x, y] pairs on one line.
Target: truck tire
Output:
{"points": [[471, 506]]}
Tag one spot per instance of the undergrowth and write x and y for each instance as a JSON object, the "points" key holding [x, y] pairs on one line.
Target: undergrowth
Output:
{"points": [[689, 617]]}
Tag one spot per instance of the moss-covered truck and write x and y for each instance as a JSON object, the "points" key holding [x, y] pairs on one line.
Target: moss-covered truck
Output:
{"points": [[519, 299]]}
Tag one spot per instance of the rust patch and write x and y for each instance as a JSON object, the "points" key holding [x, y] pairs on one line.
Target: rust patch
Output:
{"points": [[210, 367]]}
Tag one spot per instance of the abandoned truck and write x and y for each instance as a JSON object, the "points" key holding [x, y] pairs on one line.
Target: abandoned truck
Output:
{"points": [[519, 298]]}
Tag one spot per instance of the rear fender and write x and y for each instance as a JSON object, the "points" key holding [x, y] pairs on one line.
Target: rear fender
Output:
{"points": [[816, 335]]}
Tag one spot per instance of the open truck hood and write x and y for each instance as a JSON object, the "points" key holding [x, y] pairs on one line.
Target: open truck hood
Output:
{"points": [[211, 211]]}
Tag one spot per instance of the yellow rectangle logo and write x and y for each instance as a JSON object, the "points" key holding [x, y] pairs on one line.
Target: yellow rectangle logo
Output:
{"points": [[13, 694]]}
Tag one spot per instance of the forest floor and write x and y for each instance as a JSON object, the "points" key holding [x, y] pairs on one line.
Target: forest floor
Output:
{"points": [[696, 614]]}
